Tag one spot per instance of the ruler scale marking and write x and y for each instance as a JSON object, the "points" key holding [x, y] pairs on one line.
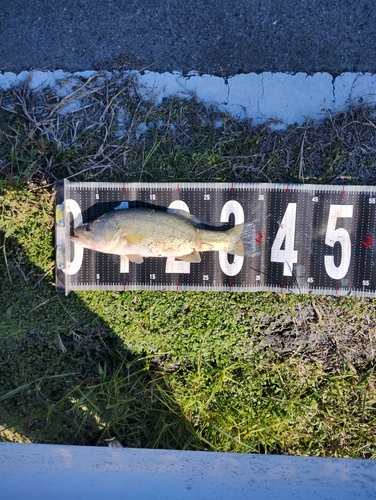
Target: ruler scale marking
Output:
{"points": [[327, 246]]}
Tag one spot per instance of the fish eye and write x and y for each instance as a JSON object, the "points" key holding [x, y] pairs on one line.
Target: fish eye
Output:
{"points": [[87, 227]]}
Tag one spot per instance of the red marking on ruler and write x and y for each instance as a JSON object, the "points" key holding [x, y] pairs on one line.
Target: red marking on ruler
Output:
{"points": [[282, 286], [232, 188], [287, 189], [337, 287], [123, 189], [124, 285], [177, 285], [343, 191], [230, 286], [367, 241], [260, 237], [178, 188]]}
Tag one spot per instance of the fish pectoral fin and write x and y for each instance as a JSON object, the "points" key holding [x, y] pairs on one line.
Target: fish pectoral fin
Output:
{"points": [[192, 257], [137, 259], [133, 239]]}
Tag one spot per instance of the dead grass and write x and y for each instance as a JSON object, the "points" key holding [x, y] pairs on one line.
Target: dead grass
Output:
{"points": [[115, 134], [332, 332]]}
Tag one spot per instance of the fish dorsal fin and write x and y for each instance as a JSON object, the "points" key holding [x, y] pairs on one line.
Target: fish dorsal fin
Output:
{"points": [[192, 257], [186, 215]]}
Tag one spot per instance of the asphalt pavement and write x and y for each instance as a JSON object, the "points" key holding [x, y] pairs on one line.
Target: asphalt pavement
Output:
{"points": [[218, 37]]}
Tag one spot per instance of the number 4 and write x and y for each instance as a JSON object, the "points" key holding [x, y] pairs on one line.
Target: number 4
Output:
{"points": [[286, 233]]}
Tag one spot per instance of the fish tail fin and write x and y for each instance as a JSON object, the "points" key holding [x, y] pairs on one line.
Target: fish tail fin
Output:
{"points": [[243, 237], [235, 234], [249, 237]]}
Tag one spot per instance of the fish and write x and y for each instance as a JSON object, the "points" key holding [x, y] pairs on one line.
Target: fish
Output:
{"points": [[140, 233]]}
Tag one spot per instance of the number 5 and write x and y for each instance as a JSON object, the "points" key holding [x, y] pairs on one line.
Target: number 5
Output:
{"points": [[341, 236]]}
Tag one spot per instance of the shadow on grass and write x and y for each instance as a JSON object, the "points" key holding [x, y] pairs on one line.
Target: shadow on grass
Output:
{"points": [[67, 378]]}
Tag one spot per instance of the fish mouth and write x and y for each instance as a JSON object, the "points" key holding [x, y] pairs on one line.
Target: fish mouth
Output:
{"points": [[79, 230], [81, 237], [76, 234]]}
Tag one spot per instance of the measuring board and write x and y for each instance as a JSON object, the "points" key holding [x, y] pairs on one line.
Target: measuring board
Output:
{"points": [[318, 239]]}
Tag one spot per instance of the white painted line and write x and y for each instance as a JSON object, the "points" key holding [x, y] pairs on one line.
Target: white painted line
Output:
{"points": [[279, 97]]}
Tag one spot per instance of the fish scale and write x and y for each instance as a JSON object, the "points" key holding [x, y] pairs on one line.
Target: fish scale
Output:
{"points": [[317, 239], [144, 232]]}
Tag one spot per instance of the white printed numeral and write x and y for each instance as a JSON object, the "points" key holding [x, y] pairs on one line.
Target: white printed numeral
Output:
{"points": [[341, 236], [286, 233], [173, 265], [124, 264], [365, 283], [372, 201], [73, 266], [231, 207]]}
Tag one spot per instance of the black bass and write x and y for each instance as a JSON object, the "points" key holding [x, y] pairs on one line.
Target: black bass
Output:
{"points": [[142, 232]]}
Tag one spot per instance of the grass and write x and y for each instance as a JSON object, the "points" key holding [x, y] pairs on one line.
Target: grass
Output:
{"points": [[262, 372]]}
